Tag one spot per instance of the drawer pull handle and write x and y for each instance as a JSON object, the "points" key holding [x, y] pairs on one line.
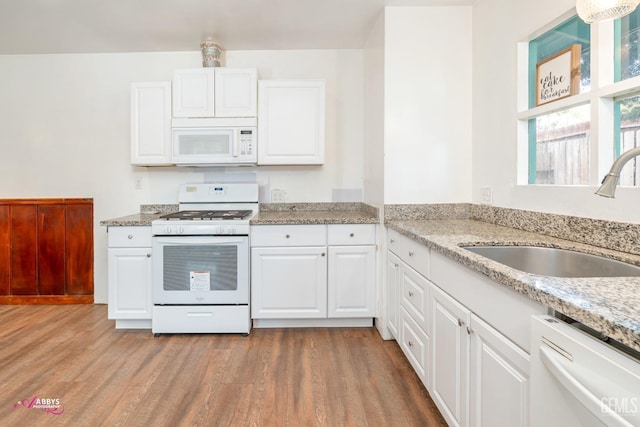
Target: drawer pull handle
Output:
{"points": [[410, 293], [130, 236], [410, 343], [410, 253], [351, 235], [287, 236]]}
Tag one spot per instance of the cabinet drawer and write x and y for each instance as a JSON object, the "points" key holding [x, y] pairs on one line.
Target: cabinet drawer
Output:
{"points": [[393, 241], [133, 237], [416, 255], [288, 235], [415, 345], [351, 234], [414, 295]]}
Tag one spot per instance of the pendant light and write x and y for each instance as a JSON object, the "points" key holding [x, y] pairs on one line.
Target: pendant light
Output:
{"points": [[591, 11]]}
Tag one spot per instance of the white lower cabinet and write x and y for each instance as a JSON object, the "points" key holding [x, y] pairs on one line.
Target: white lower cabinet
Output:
{"points": [[392, 287], [129, 277], [305, 272], [450, 357], [469, 325], [499, 379], [289, 282]]}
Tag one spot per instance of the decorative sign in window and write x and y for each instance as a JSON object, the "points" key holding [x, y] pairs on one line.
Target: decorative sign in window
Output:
{"points": [[558, 76]]}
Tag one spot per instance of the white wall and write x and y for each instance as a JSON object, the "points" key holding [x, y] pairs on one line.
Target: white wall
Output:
{"points": [[498, 25], [65, 127], [427, 104], [374, 121]]}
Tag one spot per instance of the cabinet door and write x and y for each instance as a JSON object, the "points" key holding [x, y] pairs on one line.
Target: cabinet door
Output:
{"points": [[392, 290], [291, 122], [79, 249], [236, 92], [499, 379], [288, 283], [450, 346], [151, 123], [5, 250], [129, 283], [352, 281], [193, 92], [24, 250], [51, 250]]}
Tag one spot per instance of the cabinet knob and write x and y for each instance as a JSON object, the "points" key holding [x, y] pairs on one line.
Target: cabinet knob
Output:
{"points": [[287, 236], [130, 236], [395, 265], [410, 253], [469, 330], [351, 235], [148, 255], [322, 253], [410, 293], [391, 241], [410, 343], [460, 322]]}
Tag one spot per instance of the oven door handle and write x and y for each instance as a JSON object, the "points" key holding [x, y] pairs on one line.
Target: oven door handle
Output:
{"points": [[198, 240]]}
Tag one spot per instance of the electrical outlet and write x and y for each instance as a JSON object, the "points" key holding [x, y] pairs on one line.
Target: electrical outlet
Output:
{"points": [[139, 182], [486, 196], [278, 195]]}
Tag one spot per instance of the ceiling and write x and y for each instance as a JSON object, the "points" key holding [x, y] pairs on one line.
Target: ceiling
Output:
{"points": [[100, 26]]}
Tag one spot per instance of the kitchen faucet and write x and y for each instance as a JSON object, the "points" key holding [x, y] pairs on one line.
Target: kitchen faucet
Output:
{"points": [[608, 187]]}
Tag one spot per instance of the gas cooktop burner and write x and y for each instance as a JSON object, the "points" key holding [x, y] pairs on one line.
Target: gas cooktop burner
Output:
{"points": [[206, 215]]}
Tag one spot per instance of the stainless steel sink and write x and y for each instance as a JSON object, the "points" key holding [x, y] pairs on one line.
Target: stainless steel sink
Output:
{"points": [[555, 262]]}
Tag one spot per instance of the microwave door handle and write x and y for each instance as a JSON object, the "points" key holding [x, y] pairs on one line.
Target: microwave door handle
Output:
{"points": [[236, 141]]}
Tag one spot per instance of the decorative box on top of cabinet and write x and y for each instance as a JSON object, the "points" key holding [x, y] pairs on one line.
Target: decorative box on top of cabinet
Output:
{"points": [[215, 92], [291, 122], [313, 275], [129, 277]]}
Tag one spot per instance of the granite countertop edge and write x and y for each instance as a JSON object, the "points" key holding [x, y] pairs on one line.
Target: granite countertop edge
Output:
{"points": [[274, 214], [608, 305]]}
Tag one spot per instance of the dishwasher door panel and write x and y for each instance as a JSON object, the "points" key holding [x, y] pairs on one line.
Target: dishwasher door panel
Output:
{"points": [[577, 380]]}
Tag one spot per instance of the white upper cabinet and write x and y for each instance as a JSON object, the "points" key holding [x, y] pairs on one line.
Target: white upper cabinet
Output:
{"points": [[193, 92], [215, 92], [291, 122], [236, 92], [151, 123]]}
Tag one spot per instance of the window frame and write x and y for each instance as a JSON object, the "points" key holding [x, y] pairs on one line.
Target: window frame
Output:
{"points": [[602, 96]]}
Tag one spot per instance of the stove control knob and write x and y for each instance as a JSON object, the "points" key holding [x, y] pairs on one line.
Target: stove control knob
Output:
{"points": [[167, 230], [180, 230]]}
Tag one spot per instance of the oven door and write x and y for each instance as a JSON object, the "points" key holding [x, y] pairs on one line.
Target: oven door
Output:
{"points": [[192, 270]]}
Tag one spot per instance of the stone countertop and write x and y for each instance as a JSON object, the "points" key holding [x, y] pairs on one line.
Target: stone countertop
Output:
{"points": [[608, 305], [315, 213], [143, 218], [271, 214]]}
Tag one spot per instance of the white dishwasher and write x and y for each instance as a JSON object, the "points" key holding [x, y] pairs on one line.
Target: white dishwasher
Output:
{"points": [[577, 380]]}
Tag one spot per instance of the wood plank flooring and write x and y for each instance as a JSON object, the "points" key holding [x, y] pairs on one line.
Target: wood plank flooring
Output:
{"points": [[274, 377]]}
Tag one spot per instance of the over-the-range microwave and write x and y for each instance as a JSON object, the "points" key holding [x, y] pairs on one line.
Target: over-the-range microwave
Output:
{"points": [[214, 142]]}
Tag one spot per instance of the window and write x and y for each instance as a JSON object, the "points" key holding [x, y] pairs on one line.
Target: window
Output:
{"points": [[559, 147], [574, 140], [627, 109]]}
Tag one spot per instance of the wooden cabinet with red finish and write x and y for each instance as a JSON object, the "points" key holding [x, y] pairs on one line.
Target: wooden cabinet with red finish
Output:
{"points": [[46, 251]]}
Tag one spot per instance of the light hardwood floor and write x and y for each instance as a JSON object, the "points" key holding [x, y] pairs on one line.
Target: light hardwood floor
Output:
{"points": [[274, 377]]}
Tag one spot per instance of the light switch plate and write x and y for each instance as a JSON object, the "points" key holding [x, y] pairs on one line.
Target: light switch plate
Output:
{"points": [[486, 196]]}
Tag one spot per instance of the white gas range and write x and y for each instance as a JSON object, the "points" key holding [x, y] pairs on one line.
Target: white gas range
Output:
{"points": [[201, 260]]}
